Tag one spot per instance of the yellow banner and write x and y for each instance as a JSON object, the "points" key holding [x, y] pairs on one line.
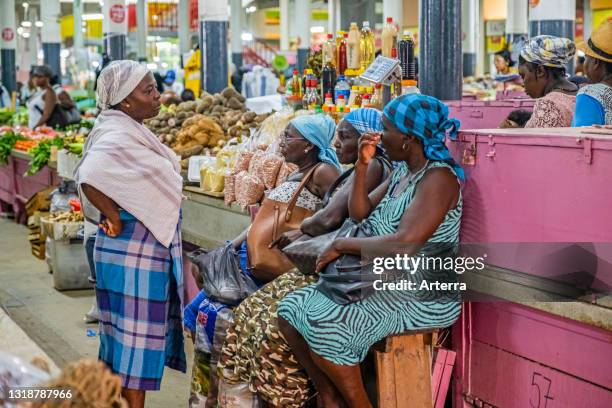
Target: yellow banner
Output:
{"points": [[93, 28]]}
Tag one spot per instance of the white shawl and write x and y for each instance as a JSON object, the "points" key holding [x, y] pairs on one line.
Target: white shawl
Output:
{"points": [[126, 162]]}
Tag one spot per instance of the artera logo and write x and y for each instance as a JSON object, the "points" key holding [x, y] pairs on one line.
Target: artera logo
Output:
{"points": [[117, 13]]}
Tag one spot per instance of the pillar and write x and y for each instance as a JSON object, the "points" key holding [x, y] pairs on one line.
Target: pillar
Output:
{"points": [[77, 39], [284, 25], [332, 11], [553, 17], [395, 9], [470, 17], [440, 65], [114, 26], [50, 34], [302, 16], [517, 26], [184, 27], [236, 25], [8, 44], [141, 27], [213, 44], [587, 19]]}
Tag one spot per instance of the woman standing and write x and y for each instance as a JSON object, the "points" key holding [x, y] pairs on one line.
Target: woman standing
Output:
{"points": [[594, 102], [43, 102], [419, 207], [542, 66], [134, 182]]}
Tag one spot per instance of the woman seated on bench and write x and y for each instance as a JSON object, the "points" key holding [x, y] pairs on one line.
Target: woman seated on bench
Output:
{"points": [[254, 352], [419, 205]]}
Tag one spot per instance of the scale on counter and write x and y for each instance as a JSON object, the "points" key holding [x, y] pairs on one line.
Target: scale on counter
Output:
{"points": [[383, 70]]}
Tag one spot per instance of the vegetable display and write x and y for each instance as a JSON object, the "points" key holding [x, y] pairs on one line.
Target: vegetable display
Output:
{"points": [[41, 154], [7, 144]]}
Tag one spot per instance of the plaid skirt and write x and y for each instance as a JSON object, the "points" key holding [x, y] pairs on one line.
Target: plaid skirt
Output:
{"points": [[139, 290]]}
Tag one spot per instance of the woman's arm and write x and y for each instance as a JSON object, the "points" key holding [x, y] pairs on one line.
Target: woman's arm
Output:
{"points": [[588, 112], [436, 194], [50, 101], [336, 211], [107, 207]]}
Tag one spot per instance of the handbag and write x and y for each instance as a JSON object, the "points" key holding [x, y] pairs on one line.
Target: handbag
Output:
{"points": [[223, 280], [273, 219], [348, 279], [303, 252]]}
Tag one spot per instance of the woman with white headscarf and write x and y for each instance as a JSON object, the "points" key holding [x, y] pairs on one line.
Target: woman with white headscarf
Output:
{"points": [[131, 186]]}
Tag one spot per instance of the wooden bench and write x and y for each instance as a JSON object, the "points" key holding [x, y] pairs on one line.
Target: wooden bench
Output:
{"points": [[403, 368]]}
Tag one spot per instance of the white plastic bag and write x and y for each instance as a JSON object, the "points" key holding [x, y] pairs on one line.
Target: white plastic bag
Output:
{"points": [[236, 396]]}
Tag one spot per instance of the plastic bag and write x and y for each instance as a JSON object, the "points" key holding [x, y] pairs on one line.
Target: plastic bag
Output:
{"points": [[230, 188], [61, 196], [249, 190], [14, 372], [268, 170], [236, 396], [223, 280], [242, 161], [205, 324]]}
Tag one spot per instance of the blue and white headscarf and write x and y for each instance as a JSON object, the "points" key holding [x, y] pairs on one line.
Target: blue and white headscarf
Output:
{"points": [[318, 130], [426, 118], [365, 120]]}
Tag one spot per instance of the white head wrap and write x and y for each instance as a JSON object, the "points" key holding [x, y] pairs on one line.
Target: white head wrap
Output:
{"points": [[117, 80]]}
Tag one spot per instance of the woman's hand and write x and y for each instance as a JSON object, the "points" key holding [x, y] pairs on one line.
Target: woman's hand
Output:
{"points": [[367, 147], [330, 254], [286, 239], [112, 227]]}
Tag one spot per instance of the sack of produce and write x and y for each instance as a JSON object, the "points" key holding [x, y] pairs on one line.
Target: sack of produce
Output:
{"points": [[249, 190], [268, 170], [230, 188], [242, 161]]}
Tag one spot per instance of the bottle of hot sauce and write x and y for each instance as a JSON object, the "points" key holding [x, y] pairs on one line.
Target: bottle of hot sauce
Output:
{"points": [[341, 66]]}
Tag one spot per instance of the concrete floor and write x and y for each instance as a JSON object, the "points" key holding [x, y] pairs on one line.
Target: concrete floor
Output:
{"points": [[54, 320]]}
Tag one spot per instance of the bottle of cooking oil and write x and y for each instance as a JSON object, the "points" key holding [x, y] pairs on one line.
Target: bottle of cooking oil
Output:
{"points": [[367, 45]]}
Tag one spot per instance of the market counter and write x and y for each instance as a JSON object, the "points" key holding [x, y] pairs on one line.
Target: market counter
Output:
{"points": [[208, 222]]}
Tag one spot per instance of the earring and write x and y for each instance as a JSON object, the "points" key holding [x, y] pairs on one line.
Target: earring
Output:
{"points": [[306, 151], [404, 146], [127, 105]]}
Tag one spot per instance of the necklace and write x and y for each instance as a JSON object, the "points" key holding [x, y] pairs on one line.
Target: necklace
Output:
{"points": [[409, 179]]}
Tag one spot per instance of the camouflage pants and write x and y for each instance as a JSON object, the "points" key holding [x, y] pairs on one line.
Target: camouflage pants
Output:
{"points": [[256, 353]]}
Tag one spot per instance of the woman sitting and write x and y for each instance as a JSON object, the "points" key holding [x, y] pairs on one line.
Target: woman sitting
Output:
{"points": [[542, 66], [420, 204], [594, 102], [306, 142], [254, 352]]}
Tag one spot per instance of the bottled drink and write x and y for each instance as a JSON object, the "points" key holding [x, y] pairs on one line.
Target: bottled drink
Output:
{"points": [[295, 85], [329, 101], [342, 89], [367, 45], [311, 97], [376, 101], [388, 37], [409, 86], [365, 102], [340, 101], [353, 53], [341, 65], [328, 79], [306, 98], [406, 56], [329, 51], [353, 94]]}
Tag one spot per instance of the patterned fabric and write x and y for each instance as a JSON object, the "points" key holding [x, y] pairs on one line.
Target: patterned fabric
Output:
{"points": [[549, 51], [365, 120], [344, 334], [284, 192], [426, 118], [556, 109], [255, 351], [593, 105], [139, 290], [116, 81], [318, 130]]}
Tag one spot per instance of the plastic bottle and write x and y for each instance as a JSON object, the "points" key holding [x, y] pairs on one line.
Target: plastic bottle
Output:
{"points": [[329, 51], [329, 101], [342, 88], [388, 37], [340, 101], [353, 53], [295, 85], [315, 98], [358, 97], [367, 45], [342, 55], [376, 100], [409, 86], [353, 94], [365, 102], [306, 98], [405, 50], [328, 78]]}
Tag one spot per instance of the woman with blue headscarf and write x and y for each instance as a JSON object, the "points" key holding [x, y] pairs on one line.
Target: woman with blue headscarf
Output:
{"points": [[417, 212], [254, 352]]}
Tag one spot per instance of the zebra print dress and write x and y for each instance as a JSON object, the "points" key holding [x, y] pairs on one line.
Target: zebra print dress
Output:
{"points": [[344, 334]]}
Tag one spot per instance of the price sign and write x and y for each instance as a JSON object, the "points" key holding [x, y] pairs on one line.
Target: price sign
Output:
{"points": [[383, 70], [8, 34], [117, 13]]}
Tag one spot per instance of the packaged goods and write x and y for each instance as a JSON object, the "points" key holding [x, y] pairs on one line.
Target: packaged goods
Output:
{"points": [[249, 190]]}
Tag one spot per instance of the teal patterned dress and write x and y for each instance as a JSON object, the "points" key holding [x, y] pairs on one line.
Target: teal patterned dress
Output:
{"points": [[344, 334]]}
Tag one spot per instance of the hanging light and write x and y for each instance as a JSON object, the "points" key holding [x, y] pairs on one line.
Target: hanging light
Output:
{"points": [[38, 24], [26, 24]]}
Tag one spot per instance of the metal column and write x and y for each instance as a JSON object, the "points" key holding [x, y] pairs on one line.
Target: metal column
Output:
{"points": [[517, 26], [302, 15], [114, 26], [50, 34], [284, 25], [440, 65], [236, 26], [141, 27], [553, 17], [184, 27], [79, 53], [213, 44], [8, 44], [470, 16]]}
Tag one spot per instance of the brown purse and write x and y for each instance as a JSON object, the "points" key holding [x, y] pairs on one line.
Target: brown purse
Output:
{"points": [[273, 219]]}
